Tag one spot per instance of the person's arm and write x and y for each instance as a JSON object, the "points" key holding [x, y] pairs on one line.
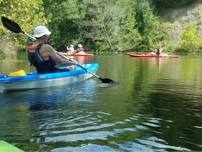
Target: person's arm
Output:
{"points": [[61, 53], [82, 49], [49, 51]]}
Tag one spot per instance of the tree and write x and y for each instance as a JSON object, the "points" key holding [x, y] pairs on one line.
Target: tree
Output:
{"points": [[130, 37], [26, 13], [116, 25], [62, 16], [172, 3], [191, 41], [102, 27], [147, 24]]}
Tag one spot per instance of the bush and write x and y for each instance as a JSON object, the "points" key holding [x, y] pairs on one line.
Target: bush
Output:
{"points": [[191, 41], [2, 54]]}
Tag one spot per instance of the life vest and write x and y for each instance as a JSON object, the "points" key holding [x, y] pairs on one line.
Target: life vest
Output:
{"points": [[41, 65]]}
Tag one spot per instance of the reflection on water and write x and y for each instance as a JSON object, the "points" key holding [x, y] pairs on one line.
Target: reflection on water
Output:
{"points": [[156, 107]]}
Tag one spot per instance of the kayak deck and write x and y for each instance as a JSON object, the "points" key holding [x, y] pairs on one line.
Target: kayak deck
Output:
{"points": [[152, 55], [6, 147], [34, 80]]}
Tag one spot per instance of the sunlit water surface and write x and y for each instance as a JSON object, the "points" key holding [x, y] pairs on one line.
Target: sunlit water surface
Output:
{"points": [[155, 106]]}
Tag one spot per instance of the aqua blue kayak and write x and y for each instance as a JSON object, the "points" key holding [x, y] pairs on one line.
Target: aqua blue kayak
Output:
{"points": [[34, 80]]}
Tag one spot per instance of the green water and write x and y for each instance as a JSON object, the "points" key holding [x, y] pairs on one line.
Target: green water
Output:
{"points": [[156, 106]]}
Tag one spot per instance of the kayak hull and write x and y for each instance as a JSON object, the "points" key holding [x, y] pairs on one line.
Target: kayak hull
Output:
{"points": [[35, 81], [82, 53], [152, 55]]}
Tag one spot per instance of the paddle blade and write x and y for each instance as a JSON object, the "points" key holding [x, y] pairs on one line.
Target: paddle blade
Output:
{"points": [[11, 25], [106, 80]]}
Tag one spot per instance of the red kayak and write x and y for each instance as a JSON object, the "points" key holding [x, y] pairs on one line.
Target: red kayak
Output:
{"points": [[152, 55], [81, 53]]}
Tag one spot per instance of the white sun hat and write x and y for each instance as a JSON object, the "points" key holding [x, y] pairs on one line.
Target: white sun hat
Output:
{"points": [[40, 31], [80, 45]]}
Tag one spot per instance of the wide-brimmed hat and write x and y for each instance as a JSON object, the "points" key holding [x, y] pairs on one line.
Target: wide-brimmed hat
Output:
{"points": [[79, 45], [40, 31]]}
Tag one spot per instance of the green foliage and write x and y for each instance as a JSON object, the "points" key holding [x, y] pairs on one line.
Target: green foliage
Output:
{"points": [[147, 24], [27, 13], [62, 15], [165, 36], [172, 3], [102, 25], [94, 23], [2, 54], [129, 37], [191, 41]]}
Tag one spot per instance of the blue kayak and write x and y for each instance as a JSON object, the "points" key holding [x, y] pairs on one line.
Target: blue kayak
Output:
{"points": [[34, 80]]}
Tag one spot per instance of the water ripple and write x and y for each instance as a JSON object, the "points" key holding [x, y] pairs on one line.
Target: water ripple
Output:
{"points": [[94, 127], [86, 148], [102, 135]]}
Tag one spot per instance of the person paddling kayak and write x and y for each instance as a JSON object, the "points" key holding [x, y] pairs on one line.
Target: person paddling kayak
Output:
{"points": [[80, 48], [42, 55], [158, 52], [70, 50]]}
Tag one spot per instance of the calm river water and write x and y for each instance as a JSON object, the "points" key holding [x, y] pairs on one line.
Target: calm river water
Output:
{"points": [[156, 106]]}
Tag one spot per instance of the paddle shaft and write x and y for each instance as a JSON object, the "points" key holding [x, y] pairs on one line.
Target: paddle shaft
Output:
{"points": [[33, 38], [75, 62]]}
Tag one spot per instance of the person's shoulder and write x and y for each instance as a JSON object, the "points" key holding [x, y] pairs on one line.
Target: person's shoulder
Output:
{"points": [[47, 46]]}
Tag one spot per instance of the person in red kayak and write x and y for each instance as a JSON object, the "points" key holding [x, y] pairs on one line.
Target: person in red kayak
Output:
{"points": [[80, 48], [70, 50], [42, 55], [159, 51]]}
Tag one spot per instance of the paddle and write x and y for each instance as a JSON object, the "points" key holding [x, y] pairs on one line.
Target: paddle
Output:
{"points": [[14, 27], [103, 80]]}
